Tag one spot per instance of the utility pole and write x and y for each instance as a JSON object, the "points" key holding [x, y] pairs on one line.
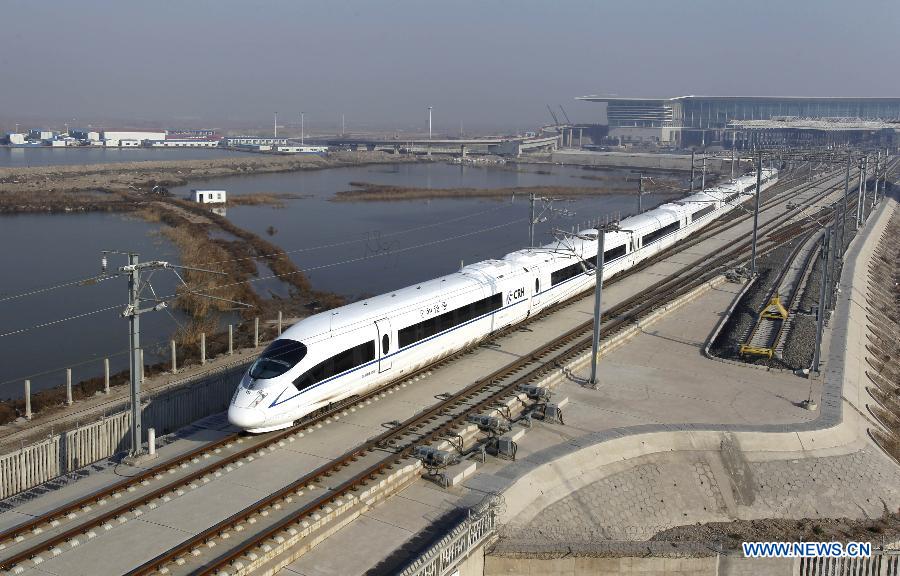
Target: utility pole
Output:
{"points": [[640, 193], [276, 125], [531, 223], [877, 166], [843, 234], [732, 158], [821, 311], [833, 260], [598, 298], [136, 367], [301, 128], [859, 193], [703, 178], [133, 311], [756, 214], [342, 125], [692, 170]]}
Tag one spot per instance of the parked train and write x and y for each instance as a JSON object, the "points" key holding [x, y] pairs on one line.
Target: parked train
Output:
{"points": [[352, 349]]}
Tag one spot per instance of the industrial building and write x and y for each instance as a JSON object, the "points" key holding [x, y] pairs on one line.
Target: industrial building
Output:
{"points": [[86, 135], [131, 135], [254, 141], [189, 143], [710, 120], [181, 134], [295, 149]]}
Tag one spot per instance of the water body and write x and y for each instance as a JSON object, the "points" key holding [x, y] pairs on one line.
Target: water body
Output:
{"points": [[367, 248], [48, 156], [354, 249], [44, 250]]}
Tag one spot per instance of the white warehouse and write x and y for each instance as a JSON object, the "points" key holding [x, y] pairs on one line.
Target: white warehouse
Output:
{"points": [[121, 135]]}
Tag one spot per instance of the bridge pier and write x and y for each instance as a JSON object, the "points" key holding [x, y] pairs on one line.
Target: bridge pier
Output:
{"points": [[462, 151]]}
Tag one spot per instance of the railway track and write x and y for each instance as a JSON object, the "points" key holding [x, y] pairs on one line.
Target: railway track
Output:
{"points": [[774, 320], [233, 449], [423, 428]]}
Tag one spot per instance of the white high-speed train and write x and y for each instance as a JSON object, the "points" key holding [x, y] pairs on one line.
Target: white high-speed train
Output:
{"points": [[349, 350]]}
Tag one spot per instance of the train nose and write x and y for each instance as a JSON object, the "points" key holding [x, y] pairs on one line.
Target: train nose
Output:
{"points": [[246, 418]]}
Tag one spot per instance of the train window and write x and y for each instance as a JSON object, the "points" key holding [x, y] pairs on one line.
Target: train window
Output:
{"points": [[337, 364], [431, 326], [657, 234], [568, 272], [385, 344], [608, 256], [278, 357], [703, 212]]}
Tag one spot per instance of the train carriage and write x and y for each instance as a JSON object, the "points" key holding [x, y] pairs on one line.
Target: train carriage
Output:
{"points": [[352, 349]]}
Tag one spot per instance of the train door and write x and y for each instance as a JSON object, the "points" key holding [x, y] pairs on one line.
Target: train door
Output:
{"points": [[385, 344]]}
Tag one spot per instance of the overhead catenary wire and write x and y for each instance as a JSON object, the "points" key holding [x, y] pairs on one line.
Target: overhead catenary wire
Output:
{"points": [[60, 320], [86, 281], [362, 239], [362, 258], [91, 280], [272, 276]]}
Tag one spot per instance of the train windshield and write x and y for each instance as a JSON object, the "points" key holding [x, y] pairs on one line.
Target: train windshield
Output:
{"points": [[278, 357]]}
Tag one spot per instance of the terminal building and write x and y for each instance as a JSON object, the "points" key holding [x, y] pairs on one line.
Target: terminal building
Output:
{"points": [[718, 120]]}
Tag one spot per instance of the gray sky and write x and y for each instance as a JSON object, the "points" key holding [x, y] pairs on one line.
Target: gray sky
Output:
{"points": [[486, 63]]}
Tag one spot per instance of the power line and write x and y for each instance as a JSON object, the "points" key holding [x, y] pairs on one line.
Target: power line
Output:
{"points": [[358, 240], [52, 322], [362, 258], [76, 282]]}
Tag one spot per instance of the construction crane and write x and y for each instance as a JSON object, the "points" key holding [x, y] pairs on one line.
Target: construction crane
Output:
{"points": [[569, 122], [555, 119]]}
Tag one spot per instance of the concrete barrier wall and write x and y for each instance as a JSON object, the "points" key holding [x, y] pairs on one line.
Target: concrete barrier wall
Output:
{"points": [[574, 565], [166, 411], [29, 466]]}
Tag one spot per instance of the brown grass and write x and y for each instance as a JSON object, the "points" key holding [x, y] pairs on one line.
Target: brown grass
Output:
{"points": [[369, 192], [274, 199], [50, 200]]}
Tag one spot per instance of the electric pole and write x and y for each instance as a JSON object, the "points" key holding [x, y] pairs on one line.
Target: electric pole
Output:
{"points": [[136, 368], [821, 311], [531, 223], [640, 193], [877, 166], [598, 295], [859, 193], [732, 158], [756, 214], [703, 177], [692, 170], [301, 128], [844, 211], [133, 311]]}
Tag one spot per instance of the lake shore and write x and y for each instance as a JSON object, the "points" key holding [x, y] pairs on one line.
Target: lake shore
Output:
{"points": [[113, 186]]}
